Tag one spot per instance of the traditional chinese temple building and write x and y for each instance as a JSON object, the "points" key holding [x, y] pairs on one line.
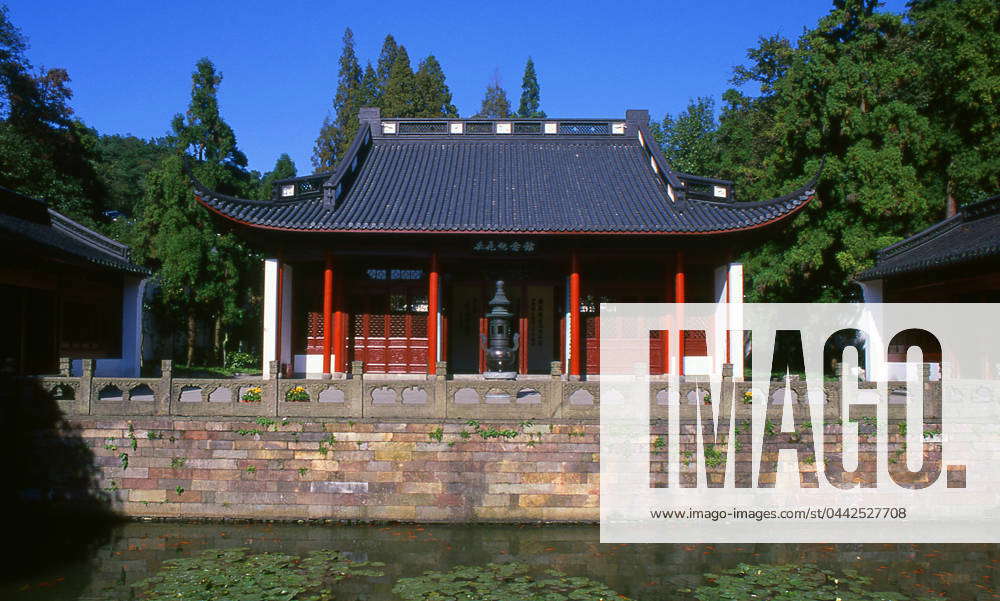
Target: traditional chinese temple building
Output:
{"points": [[955, 260], [65, 291], [391, 259]]}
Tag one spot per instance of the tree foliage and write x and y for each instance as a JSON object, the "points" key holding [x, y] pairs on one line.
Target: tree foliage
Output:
{"points": [[495, 104], [202, 272], [391, 85], [689, 140], [337, 131], [123, 163], [44, 151], [398, 98], [902, 108], [530, 104], [433, 98], [284, 168]]}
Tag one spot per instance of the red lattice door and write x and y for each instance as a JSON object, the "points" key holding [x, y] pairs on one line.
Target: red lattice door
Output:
{"points": [[389, 331]]}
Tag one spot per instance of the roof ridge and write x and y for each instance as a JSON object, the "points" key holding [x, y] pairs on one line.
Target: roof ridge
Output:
{"points": [[85, 235]]}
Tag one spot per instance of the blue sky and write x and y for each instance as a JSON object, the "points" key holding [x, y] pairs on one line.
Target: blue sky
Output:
{"points": [[131, 62]]}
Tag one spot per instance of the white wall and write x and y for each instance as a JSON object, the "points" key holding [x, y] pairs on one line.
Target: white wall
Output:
{"points": [[129, 364]]}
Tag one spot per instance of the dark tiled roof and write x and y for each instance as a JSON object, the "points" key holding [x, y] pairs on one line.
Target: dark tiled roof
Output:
{"points": [[562, 183], [972, 233], [28, 222]]}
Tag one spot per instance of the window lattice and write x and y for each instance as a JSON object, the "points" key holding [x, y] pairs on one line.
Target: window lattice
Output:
{"points": [[423, 127], [418, 327], [376, 326], [479, 128], [397, 326], [314, 324], [527, 128], [584, 129]]}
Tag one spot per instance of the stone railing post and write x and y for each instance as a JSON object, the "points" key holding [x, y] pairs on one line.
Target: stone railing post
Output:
{"points": [[555, 370], [271, 385], [555, 389], [166, 387], [65, 367], [357, 388], [440, 400], [85, 396], [727, 371]]}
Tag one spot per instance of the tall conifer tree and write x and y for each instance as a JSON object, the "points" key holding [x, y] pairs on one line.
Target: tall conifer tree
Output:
{"points": [[399, 94], [433, 98], [386, 59], [202, 272], [530, 93], [495, 104], [337, 132]]}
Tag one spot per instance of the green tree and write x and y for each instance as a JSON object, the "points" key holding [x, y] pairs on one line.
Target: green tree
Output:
{"points": [[495, 104], [840, 93], [386, 59], [338, 131], [530, 93], [399, 93], [284, 168], [123, 163], [44, 151], [202, 272], [689, 140], [433, 98], [369, 92], [201, 131], [957, 45]]}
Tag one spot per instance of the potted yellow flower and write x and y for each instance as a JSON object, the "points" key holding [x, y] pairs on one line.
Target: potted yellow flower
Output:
{"points": [[297, 395]]}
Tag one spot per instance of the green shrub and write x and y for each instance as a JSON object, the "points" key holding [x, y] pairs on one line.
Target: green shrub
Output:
{"points": [[239, 360]]}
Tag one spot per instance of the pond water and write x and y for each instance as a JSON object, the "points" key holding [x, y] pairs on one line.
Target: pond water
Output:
{"points": [[109, 566]]}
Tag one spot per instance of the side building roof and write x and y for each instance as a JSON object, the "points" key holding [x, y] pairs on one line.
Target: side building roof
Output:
{"points": [[26, 222], [972, 233], [499, 176]]}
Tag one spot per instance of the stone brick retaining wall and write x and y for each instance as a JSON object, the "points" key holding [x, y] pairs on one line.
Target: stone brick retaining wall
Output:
{"points": [[372, 454]]}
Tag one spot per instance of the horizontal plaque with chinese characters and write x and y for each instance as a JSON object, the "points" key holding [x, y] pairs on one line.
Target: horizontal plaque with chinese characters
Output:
{"points": [[505, 246]]}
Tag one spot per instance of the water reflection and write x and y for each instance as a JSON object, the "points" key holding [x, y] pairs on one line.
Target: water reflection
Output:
{"points": [[134, 551]]}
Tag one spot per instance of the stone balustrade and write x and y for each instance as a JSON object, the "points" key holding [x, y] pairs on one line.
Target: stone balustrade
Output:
{"points": [[362, 396]]}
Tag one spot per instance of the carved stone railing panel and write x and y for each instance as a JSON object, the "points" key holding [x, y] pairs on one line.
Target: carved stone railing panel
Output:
{"points": [[403, 398], [113, 396], [327, 398], [502, 399], [581, 400], [198, 396], [64, 391]]}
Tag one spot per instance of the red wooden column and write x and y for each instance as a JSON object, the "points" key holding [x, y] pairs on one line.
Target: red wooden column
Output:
{"points": [[665, 334], [574, 316], [728, 311], [679, 299], [433, 303], [327, 313], [522, 331], [340, 326]]}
